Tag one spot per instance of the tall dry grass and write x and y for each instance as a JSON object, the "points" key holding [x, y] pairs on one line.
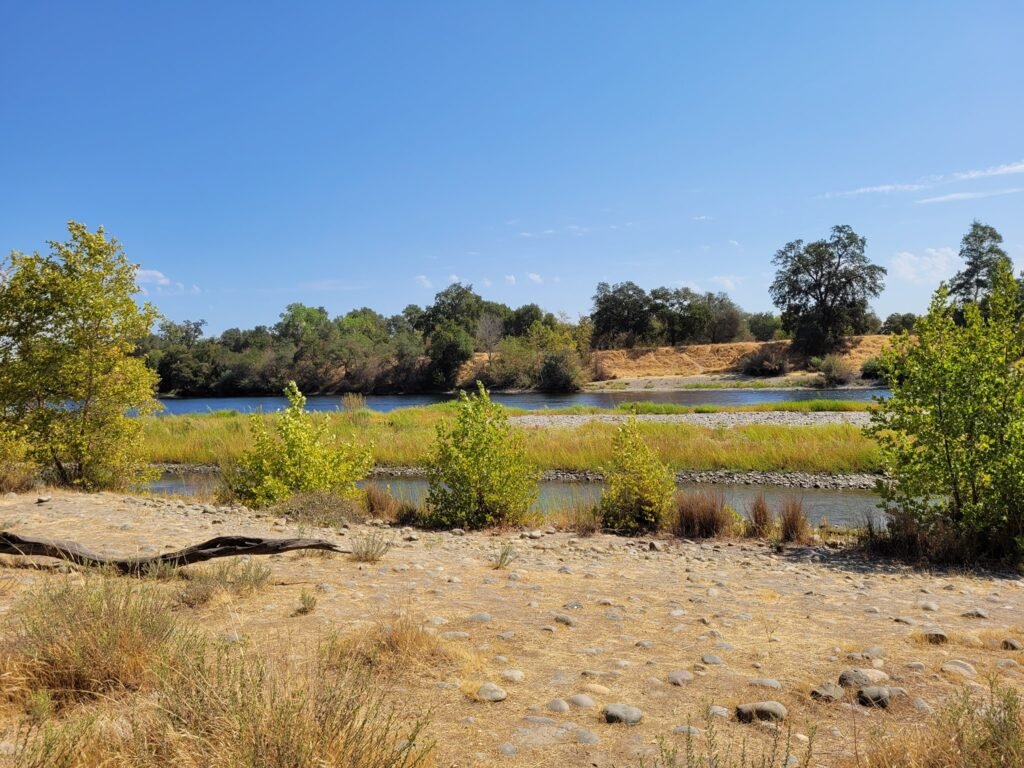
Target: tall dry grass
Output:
{"points": [[760, 519], [700, 515], [793, 524]]}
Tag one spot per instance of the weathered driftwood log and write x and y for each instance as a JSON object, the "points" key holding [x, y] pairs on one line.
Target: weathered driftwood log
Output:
{"points": [[221, 546]]}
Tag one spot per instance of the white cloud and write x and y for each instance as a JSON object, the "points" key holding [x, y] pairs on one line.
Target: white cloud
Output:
{"points": [[526, 234], [155, 281], [998, 170], [510, 279], [576, 231], [883, 189], [728, 282], [424, 281], [695, 287], [151, 277], [734, 242], [970, 195], [486, 282], [934, 266], [453, 278], [702, 217], [535, 277]]}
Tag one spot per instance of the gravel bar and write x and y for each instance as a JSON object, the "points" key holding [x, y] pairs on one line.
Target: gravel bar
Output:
{"points": [[723, 419]]}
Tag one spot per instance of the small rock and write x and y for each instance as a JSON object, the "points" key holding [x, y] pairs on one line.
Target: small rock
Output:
{"points": [[765, 682], [855, 678], [930, 606], [935, 636], [873, 696], [1009, 644], [922, 706], [582, 701], [975, 613], [513, 675], [771, 711], [828, 692], [686, 730], [622, 713], [566, 619], [490, 692], [558, 705], [717, 711], [583, 736], [959, 667], [508, 750], [481, 617], [680, 677], [711, 659]]}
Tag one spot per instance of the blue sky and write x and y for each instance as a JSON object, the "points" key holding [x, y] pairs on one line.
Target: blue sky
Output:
{"points": [[252, 154]]}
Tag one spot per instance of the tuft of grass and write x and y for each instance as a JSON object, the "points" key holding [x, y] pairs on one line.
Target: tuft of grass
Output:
{"points": [[370, 548], [384, 505], [793, 523], [322, 509], [230, 579], [578, 516], [504, 557], [79, 641], [760, 520], [700, 515], [307, 603]]}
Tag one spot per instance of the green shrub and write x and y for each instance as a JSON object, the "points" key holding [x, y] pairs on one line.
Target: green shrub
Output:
{"points": [[478, 474], [765, 362], [17, 470], [835, 371], [560, 372], [302, 458], [871, 369], [640, 485], [951, 437]]}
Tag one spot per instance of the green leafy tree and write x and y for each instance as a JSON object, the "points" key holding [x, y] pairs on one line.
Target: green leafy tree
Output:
{"points": [[899, 322], [764, 325], [822, 289], [640, 485], [952, 434], [981, 250], [479, 475], [622, 315], [69, 381], [301, 456], [450, 347]]}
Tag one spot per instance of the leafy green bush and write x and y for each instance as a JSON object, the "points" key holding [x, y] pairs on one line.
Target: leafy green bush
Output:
{"points": [[951, 437], [767, 361], [560, 372], [640, 485], [871, 369], [302, 458], [478, 474], [17, 470]]}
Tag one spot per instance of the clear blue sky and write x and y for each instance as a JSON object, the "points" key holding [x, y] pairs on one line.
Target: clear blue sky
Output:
{"points": [[251, 154]]}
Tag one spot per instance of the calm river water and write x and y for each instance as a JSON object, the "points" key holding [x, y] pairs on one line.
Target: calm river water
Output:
{"points": [[533, 400]]}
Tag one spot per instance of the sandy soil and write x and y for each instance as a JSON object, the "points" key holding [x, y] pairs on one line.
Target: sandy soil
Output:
{"points": [[607, 617]]}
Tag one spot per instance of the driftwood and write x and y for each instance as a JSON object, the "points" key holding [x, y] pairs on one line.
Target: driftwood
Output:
{"points": [[221, 546]]}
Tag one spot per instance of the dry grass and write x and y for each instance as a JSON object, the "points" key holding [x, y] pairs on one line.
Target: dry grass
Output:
{"points": [[319, 508], [700, 515], [232, 579], [370, 548], [793, 524], [760, 520], [578, 516], [384, 505]]}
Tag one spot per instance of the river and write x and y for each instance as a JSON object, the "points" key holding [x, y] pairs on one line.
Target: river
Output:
{"points": [[533, 400]]}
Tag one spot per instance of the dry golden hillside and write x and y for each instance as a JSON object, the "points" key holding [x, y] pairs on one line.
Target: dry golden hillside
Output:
{"points": [[700, 359]]}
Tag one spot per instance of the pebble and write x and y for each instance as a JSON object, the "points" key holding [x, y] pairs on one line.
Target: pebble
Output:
{"points": [[508, 750], [717, 711], [686, 730], [680, 677], [582, 701], [854, 678], [935, 636], [711, 659], [765, 682], [873, 696], [828, 692], [1009, 644], [959, 667], [583, 736], [558, 705], [513, 675]]}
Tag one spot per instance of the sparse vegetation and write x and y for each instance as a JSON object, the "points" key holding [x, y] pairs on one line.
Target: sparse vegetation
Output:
{"points": [[234, 578], [793, 525], [307, 603], [760, 520], [370, 548], [324, 509], [767, 361], [504, 557]]}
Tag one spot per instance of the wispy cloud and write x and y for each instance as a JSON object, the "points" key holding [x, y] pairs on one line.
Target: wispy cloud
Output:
{"points": [[998, 170], [453, 278], [424, 281], [927, 182], [728, 282], [156, 282], [486, 282], [533, 276], [701, 217], [929, 268], [734, 242], [510, 279], [970, 195]]}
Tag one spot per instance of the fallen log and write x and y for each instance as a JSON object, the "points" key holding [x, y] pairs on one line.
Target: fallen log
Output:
{"points": [[221, 546]]}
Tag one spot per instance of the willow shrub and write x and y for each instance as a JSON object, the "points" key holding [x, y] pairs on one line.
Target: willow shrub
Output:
{"points": [[301, 456], [952, 434], [479, 475], [640, 485]]}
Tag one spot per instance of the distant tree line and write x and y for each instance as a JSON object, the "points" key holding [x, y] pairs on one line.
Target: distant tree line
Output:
{"points": [[822, 290]]}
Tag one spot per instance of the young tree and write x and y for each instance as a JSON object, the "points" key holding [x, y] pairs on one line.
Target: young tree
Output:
{"points": [[68, 379], [980, 249], [640, 485], [822, 289], [952, 434], [479, 475]]}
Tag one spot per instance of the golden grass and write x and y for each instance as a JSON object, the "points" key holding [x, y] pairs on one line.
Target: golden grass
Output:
{"points": [[405, 438], [700, 515]]}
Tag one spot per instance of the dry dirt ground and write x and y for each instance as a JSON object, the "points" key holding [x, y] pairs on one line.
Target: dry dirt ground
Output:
{"points": [[613, 619]]}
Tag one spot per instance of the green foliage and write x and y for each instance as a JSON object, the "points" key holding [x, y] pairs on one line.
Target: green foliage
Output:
{"points": [[822, 289], [450, 347], [479, 475], [68, 379], [898, 322], [17, 471], [982, 254], [952, 434], [640, 485], [767, 361], [560, 372], [764, 326], [301, 458], [872, 369], [835, 371]]}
